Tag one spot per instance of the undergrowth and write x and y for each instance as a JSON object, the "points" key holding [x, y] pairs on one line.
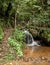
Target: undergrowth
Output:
{"points": [[1, 34], [16, 41]]}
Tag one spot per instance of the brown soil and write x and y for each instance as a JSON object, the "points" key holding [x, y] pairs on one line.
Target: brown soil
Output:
{"points": [[6, 35]]}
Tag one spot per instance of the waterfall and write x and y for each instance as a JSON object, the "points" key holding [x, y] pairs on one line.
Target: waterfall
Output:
{"points": [[30, 40]]}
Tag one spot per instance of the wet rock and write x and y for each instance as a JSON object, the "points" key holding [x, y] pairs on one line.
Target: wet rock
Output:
{"points": [[39, 60], [25, 59], [43, 58], [48, 60], [10, 63], [32, 59]]}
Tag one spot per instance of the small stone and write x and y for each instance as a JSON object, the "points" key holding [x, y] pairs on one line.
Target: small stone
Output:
{"points": [[48, 60], [25, 59], [10, 63], [43, 58], [34, 61], [0, 54], [39, 60]]}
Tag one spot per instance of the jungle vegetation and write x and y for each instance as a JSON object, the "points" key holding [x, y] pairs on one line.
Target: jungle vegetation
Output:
{"points": [[18, 13]]}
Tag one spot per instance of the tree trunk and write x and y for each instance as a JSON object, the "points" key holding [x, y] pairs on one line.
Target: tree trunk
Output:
{"points": [[15, 22]]}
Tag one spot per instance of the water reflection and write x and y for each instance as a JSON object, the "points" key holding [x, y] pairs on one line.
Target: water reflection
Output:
{"points": [[37, 51]]}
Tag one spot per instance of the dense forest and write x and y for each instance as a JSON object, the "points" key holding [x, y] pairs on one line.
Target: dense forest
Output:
{"points": [[26, 13], [19, 15], [34, 11]]}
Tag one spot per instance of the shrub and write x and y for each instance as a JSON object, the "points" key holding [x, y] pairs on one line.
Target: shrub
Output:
{"points": [[16, 45], [16, 41], [18, 35], [1, 34], [48, 37]]}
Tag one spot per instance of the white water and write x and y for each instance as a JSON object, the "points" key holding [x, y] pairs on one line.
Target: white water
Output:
{"points": [[33, 43]]}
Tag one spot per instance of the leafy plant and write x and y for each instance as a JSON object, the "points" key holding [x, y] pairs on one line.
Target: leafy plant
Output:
{"points": [[1, 34], [1, 38], [16, 41], [9, 56], [46, 34], [18, 35], [48, 37], [16, 45]]}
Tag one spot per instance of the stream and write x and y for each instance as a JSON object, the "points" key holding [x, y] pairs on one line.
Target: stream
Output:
{"points": [[33, 54]]}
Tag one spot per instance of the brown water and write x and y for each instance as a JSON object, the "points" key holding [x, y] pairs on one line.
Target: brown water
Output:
{"points": [[33, 56], [37, 51], [36, 56]]}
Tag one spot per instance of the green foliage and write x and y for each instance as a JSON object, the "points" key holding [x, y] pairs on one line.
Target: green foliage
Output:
{"points": [[18, 35], [1, 34], [3, 6], [9, 57], [34, 11], [25, 10], [48, 37], [16, 45], [1, 38], [46, 34], [16, 41]]}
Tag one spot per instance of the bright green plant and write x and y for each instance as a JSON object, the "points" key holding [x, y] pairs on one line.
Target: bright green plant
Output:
{"points": [[1, 34], [9, 56], [16, 41], [16, 45], [18, 35], [48, 37], [46, 34]]}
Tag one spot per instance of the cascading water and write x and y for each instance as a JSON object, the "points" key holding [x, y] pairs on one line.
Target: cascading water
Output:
{"points": [[29, 39]]}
